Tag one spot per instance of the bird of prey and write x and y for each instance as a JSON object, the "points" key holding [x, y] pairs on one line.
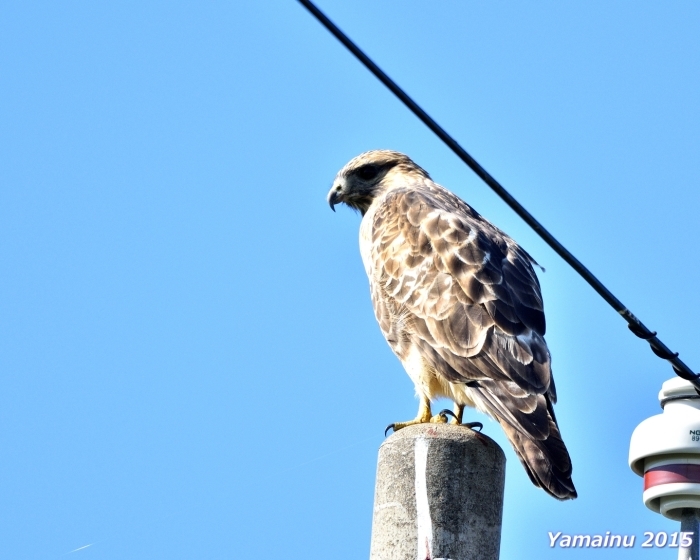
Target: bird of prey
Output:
{"points": [[460, 305]]}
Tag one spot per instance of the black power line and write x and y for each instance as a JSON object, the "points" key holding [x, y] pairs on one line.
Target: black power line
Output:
{"points": [[634, 324]]}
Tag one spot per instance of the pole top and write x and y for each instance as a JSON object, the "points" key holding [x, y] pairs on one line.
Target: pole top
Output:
{"points": [[458, 434]]}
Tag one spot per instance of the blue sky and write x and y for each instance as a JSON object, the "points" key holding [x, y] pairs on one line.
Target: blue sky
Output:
{"points": [[189, 363]]}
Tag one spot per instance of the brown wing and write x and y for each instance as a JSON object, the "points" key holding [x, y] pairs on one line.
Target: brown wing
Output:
{"points": [[452, 284]]}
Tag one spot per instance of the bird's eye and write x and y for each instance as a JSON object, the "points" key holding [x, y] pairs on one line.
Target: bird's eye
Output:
{"points": [[368, 172]]}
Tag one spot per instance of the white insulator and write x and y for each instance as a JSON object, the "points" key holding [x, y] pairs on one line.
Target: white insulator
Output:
{"points": [[665, 450]]}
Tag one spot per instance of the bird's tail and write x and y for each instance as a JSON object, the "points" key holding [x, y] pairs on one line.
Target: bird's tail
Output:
{"points": [[546, 461], [533, 432]]}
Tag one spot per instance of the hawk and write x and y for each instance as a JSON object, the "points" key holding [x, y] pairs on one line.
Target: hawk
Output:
{"points": [[460, 305]]}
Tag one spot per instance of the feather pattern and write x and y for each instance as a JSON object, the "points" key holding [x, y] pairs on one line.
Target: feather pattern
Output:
{"points": [[450, 286]]}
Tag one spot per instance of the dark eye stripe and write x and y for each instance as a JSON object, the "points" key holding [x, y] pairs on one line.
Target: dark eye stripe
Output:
{"points": [[367, 172]]}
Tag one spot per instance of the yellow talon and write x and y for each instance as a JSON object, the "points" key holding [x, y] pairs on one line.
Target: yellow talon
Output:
{"points": [[425, 416]]}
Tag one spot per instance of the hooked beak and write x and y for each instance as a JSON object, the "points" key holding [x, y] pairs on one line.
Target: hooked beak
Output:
{"points": [[333, 198]]}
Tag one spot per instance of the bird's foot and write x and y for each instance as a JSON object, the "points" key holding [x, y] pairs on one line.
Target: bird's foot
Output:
{"points": [[396, 426], [439, 418], [457, 420]]}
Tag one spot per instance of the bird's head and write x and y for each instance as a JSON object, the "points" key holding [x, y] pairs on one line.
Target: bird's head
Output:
{"points": [[368, 175]]}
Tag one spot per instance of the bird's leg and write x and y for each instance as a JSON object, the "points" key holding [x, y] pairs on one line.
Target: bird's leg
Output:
{"points": [[457, 418], [424, 416], [459, 411], [456, 415]]}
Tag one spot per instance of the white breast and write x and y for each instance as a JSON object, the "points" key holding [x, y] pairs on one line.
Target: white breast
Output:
{"points": [[366, 239]]}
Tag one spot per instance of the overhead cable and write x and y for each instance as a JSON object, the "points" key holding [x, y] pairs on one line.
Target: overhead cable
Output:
{"points": [[634, 324]]}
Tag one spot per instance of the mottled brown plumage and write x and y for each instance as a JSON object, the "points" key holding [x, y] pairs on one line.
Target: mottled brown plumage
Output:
{"points": [[460, 305]]}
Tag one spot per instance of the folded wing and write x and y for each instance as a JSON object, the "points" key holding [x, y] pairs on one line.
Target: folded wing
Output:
{"points": [[449, 283]]}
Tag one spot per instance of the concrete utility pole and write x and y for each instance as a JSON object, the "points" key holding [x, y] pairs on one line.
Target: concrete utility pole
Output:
{"points": [[690, 523], [438, 496]]}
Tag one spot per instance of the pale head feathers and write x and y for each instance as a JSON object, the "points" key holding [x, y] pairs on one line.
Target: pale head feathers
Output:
{"points": [[370, 174]]}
